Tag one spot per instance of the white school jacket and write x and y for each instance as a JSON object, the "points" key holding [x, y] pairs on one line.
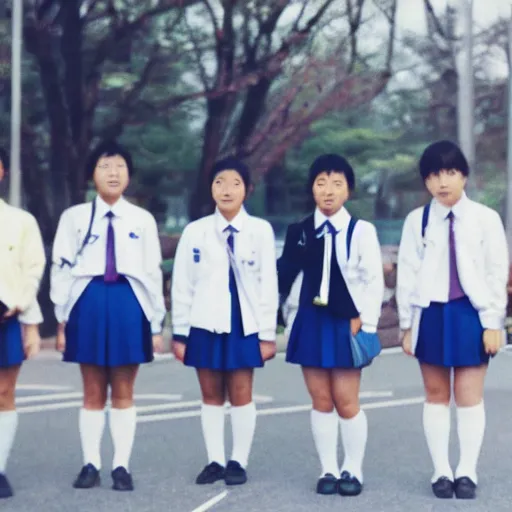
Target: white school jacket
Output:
{"points": [[200, 284], [22, 262], [482, 262], [138, 256]]}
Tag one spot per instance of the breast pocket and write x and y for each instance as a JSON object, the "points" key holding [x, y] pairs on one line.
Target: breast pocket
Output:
{"points": [[472, 247], [249, 260]]}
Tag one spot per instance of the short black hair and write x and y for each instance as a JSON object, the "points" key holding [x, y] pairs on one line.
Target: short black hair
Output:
{"points": [[331, 162], [443, 154], [235, 164], [107, 148], [4, 158]]}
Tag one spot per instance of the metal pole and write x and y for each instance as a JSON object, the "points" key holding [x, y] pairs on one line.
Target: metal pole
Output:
{"points": [[508, 218], [466, 100], [15, 171]]}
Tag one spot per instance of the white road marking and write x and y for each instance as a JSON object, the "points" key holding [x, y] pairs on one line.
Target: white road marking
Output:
{"points": [[281, 410], [375, 394], [54, 397], [37, 399], [41, 387], [210, 503]]}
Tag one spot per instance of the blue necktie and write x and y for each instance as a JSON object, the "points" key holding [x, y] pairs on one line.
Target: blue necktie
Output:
{"points": [[111, 274], [231, 242]]}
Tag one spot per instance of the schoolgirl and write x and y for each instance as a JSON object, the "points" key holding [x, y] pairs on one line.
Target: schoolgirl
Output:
{"points": [[22, 260], [338, 311], [451, 295], [106, 284], [224, 315]]}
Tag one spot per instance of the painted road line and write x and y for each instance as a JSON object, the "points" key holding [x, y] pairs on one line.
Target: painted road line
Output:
{"points": [[210, 503], [281, 410]]}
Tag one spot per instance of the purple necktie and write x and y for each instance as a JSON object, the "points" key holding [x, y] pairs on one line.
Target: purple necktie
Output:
{"points": [[456, 291], [110, 268]]}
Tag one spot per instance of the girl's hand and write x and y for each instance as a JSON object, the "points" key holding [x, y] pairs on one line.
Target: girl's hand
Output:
{"points": [[158, 343], [178, 349], [407, 342], [493, 340], [31, 340], [60, 344], [268, 350], [355, 325]]}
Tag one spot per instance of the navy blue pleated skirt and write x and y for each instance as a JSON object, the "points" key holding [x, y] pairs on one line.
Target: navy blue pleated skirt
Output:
{"points": [[451, 335], [107, 327], [11, 343], [318, 339], [224, 351]]}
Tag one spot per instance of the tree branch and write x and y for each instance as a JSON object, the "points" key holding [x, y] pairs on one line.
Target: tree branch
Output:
{"points": [[125, 106]]}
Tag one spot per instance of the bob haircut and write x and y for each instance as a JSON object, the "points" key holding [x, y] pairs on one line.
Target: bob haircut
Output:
{"points": [[440, 155], [4, 158], [329, 163], [107, 148], [235, 164]]}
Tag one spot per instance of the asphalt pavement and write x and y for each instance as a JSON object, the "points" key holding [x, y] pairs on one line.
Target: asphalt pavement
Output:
{"points": [[283, 468]]}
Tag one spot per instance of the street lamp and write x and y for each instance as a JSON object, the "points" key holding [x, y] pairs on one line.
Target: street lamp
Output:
{"points": [[15, 171]]}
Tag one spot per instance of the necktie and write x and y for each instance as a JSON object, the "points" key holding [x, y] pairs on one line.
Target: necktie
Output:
{"points": [[455, 290], [110, 267], [231, 243], [328, 232]]}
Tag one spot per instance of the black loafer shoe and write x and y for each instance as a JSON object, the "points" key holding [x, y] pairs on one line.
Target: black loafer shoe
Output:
{"points": [[5, 487], [88, 477], [122, 480], [327, 484], [465, 488], [235, 474], [210, 474], [349, 485], [443, 488]]}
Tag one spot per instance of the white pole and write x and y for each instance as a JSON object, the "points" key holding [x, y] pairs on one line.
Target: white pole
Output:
{"points": [[466, 100], [15, 171], [508, 218]]}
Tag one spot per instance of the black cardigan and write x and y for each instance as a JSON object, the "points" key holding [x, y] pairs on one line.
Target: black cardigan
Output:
{"points": [[303, 251]]}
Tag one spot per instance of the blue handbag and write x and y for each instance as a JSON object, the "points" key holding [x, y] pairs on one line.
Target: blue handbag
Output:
{"points": [[365, 347]]}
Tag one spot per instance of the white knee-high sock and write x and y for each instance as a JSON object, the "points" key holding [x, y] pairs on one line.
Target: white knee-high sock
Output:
{"points": [[470, 428], [354, 433], [123, 423], [212, 423], [243, 424], [91, 425], [436, 424], [8, 428], [324, 426]]}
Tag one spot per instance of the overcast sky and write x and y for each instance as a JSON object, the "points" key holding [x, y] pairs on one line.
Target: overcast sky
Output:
{"points": [[411, 15]]}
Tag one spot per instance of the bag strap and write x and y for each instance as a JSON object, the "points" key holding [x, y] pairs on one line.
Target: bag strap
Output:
{"points": [[85, 240], [350, 230], [424, 219]]}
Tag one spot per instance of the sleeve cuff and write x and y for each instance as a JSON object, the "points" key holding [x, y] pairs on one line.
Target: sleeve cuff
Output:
{"points": [[181, 338], [31, 318], [492, 321], [156, 327], [370, 328], [268, 335], [60, 314]]}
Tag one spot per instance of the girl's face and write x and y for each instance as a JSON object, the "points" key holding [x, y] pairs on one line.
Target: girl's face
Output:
{"points": [[446, 186], [228, 192], [330, 191], [111, 177]]}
